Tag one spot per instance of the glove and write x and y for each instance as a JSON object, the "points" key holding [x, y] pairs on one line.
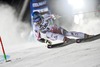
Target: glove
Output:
{"points": [[42, 40]]}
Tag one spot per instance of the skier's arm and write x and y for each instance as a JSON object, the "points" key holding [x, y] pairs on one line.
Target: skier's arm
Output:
{"points": [[50, 17], [36, 32], [38, 37]]}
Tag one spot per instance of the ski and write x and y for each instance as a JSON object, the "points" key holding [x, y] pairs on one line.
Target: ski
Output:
{"points": [[54, 45], [70, 41], [92, 38]]}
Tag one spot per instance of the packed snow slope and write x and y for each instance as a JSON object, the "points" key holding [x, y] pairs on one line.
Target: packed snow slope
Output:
{"points": [[74, 55], [34, 54]]}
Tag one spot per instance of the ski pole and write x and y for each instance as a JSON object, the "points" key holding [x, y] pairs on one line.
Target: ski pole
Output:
{"points": [[3, 49]]}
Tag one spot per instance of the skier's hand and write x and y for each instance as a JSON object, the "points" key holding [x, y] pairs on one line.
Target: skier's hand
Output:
{"points": [[53, 16], [42, 40]]}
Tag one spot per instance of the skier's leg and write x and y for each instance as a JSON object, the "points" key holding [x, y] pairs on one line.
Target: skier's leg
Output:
{"points": [[74, 33], [77, 34], [54, 36], [71, 33], [63, 31]]}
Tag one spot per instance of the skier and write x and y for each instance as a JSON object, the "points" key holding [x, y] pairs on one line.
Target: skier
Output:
{"points": [[42, 25]]}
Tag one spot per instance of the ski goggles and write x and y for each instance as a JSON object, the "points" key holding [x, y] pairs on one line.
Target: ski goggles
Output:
{"points": [[37, 20]]}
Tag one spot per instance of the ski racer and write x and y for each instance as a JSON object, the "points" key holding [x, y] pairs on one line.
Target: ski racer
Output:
{"points": [[42, 25]]}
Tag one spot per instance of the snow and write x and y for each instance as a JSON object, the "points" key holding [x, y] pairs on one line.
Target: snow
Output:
{"points": [[11, 29], [74, 55], [33, 54]]}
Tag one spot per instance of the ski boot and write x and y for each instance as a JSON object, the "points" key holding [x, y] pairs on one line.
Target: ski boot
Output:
{"points": [[49, 44]]}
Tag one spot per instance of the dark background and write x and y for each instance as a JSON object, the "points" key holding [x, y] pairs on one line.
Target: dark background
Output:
{"points": [[55, 6]]}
